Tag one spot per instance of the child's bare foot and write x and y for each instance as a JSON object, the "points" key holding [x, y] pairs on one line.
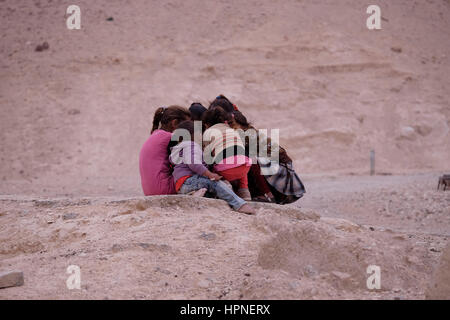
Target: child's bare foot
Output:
{"points": [[244, 193], [200, 192], [247, 209]]}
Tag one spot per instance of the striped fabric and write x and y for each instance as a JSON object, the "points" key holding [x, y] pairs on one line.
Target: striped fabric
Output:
{"points": [[221, 142]]}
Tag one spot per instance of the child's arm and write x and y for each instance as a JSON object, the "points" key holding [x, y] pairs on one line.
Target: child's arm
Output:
{"points": [[197, 165]]}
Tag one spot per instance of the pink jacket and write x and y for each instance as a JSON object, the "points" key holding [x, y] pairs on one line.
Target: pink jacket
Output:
{"points": [[154, 165]]}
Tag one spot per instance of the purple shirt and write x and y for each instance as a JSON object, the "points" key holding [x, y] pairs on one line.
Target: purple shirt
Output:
{"points": [[187, 157]]}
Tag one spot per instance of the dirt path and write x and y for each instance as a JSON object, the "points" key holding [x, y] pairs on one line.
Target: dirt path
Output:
{"points": [[408, 203]]}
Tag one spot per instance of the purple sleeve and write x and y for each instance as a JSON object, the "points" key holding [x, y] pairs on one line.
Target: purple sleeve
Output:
{"points": [[198, 168], [196, 163]]}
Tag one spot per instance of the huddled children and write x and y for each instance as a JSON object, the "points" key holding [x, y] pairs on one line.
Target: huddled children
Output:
{"points": [[219, 165]]}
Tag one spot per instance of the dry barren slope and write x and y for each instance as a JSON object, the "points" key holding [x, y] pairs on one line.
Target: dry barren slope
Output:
{"points": [[170, 248], [74, 116]]}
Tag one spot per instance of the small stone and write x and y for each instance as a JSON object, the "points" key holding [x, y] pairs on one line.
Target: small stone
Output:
{"points": [[110, 19], [341, 275], [396, 49], [73, 112], [203, 284], [400, 237], [117, 248], [158, 269], [144, 245], [42, 47], [208, 236], [310, 271], [69, 216], [11, 279]]}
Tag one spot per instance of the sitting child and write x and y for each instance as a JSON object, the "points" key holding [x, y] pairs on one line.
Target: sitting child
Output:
{"points": [[191, 174], [227, 150]]}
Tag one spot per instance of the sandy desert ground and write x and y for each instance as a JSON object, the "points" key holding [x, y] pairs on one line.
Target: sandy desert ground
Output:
{"points": [[75, 116]]}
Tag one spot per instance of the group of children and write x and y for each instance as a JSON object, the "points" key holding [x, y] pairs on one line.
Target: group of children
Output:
{"points": [[169, 167], [230, 166]]}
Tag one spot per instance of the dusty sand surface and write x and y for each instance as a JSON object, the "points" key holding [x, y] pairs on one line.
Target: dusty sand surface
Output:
{"points": [[176, 247], [75, 116]]}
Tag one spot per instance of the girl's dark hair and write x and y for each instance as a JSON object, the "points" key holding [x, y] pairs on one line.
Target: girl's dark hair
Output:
{"points": [[165, 115], [241, 120], [223, 102], [214, 116], [197, 109]]}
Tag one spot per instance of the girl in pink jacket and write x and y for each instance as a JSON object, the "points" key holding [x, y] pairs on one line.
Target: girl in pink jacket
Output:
{"points": [[154, 165]]}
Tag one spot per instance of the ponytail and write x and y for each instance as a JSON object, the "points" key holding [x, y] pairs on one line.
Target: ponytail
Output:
{"points": [[165, 115], [157, 118]]}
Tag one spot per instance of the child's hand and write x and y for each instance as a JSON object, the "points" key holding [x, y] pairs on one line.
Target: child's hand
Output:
{"points": [[212, 175], [215, 176]]}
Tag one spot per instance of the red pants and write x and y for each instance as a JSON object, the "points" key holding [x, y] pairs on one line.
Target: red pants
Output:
{"points": [[238, 173]]}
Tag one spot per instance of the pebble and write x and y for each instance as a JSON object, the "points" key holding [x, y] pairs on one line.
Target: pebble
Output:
{"points": [[42, 47], [11, 279], [208, 236], [340, 275], [69, 216]]}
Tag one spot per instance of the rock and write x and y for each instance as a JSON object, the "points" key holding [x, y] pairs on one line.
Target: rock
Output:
{"points": [[396, 49], [400, 237], [208, 236], [412, 260], [408, 132], [158, 269], [110, 19], [310, 271], [11, 279], [73, 112], [42, 47], [341, 275], [69, 216], [439, 288], [117, 248]]}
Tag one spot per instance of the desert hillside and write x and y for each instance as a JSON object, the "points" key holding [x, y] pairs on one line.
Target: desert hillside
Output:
{"points": [[75, 113], [75, 116]]}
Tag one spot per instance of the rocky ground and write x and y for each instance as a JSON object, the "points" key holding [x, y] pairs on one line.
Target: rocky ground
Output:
{"points": [[176, 247]]}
